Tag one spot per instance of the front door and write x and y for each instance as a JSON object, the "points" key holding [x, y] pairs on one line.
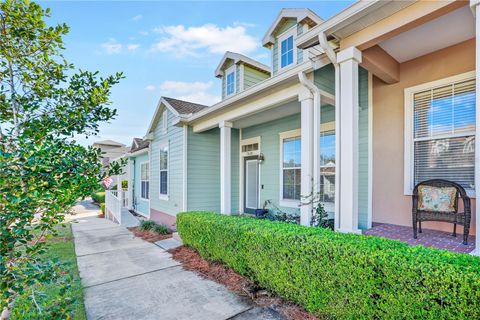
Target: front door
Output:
{"points": [[251, 184]]}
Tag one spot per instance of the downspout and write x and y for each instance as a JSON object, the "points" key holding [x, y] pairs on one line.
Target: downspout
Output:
{"points": [[322, 38], [315, 91]]}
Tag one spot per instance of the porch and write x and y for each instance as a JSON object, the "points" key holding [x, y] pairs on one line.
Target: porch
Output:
{"points": [[428, 238]]}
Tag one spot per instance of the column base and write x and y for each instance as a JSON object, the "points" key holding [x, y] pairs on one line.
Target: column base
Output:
{"points": [[475, 252], [357, 231]]}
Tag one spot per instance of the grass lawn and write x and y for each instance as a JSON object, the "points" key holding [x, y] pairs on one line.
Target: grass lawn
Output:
{"points": [[62, 248]]}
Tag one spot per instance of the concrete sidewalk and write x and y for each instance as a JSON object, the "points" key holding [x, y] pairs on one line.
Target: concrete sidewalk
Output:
{"points": [[128, 278]]}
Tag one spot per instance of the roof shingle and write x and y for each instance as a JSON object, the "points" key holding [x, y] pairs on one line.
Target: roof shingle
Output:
{"points": [[185, 107]]}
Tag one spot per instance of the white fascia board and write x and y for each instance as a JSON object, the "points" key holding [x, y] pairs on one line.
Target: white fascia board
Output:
{"points": [[310, 38], [237, 58], [299, 14]]}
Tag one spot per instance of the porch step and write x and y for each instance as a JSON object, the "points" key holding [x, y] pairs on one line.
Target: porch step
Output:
{"points": [[168, 244]]}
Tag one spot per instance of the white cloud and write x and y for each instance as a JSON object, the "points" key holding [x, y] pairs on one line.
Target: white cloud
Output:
{"points": [[189, 91], [143, 33], [112, 46], [188, 41], [201, 98], [184, 87], [136, 18], [133, 46]]}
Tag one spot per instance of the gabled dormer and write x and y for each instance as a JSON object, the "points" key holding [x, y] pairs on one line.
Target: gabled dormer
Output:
{"points": [[280, 37], [239, 73]]}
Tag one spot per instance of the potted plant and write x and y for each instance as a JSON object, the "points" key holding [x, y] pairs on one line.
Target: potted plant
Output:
{"points": [[261, 213]]}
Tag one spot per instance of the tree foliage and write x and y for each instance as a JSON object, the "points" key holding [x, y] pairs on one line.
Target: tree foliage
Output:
{"points": [[44, 103]]}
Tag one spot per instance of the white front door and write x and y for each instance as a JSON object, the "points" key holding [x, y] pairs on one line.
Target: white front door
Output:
{"points": [[251, 184]]}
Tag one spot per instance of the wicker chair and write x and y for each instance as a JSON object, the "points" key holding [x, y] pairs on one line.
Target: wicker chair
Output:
{"points": [[455, 217]]}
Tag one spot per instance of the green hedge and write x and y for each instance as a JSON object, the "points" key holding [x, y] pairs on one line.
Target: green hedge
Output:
{"points": [[340, 276], [102, 207], [99, 197]]}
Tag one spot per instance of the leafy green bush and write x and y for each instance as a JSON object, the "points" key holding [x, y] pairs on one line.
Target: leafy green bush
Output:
{"points": [[336, 275], [160, 229], [99, 197], [147, 225], [102, 207], [125, 184]]}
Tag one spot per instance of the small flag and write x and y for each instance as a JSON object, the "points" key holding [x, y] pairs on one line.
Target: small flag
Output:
{"points": [[107, 182]]}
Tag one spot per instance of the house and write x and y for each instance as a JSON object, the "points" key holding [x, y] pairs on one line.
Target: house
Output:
{"points": [[359, 107], [110, 150]]}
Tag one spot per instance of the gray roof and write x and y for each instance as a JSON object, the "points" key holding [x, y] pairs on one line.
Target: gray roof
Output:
{"points": [[184, 107], [109, 143], [138, 144]]}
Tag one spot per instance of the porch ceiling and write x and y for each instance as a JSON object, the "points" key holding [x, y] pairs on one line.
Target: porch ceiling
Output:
{"points": [[452, 28], [279, 112]]}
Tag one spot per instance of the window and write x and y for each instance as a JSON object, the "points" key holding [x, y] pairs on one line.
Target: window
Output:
{"points": [[163, 171], [286, 53], [327, 166], [164, 120], [230, 80], [290, 166], [145, 180], [442, 122]]}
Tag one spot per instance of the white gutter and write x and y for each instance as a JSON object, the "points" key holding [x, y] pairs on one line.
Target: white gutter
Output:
{"points": [[315, 91]]}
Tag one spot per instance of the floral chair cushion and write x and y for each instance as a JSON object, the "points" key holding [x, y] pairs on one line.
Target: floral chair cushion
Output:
{"points": [[436, 199]]}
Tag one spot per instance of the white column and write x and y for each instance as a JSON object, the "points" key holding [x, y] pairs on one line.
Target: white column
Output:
{"points": [[474, 4], [348, 60], [225, 167], [307, 115]]}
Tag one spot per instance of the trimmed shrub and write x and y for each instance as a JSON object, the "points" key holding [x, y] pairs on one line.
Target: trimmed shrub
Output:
{"points": [[99, 197], [340, 276], [102, 207], [125, 184], [146, 225]]}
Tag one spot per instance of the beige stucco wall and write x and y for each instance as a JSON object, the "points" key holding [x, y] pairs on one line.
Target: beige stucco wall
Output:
{"points": [[390, 205]]}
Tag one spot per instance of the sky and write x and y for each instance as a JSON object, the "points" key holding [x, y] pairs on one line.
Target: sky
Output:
{"points": [[165, 48]]}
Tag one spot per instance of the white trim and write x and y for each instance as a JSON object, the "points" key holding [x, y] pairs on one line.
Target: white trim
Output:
{"points": [[161, 102], [229, 70], [291, 32], [408, 170], [185, 168], [282, 136], [141, 180], [162, 145], [370, 151], [164, 121], [244, 155]]}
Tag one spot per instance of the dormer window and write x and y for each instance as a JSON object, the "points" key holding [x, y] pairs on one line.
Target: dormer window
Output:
{"points": [[230, 72], [287, 52]]}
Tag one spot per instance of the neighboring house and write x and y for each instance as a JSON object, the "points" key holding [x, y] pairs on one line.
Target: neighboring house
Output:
{"points": [[138, 177], [359, 107], [110, 150]]}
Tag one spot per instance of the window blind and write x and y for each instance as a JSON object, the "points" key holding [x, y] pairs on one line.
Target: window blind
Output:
{"points": [[444, 133]]}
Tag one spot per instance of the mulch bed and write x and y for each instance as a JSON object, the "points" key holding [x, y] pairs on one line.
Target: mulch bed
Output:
{"points": [[224, 275], [148, 235]]}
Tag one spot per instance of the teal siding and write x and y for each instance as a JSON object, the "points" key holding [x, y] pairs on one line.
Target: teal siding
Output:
{"points": [[237, 78], [363, 149], [235, 170], [270, 147], [299, 51], [324, 78], [251, 77], [203, 167], [275, 58], [141, 206], [173, 137]]}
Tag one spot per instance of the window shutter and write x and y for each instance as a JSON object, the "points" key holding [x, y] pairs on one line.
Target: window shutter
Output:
{"points": [[444, 133]]}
